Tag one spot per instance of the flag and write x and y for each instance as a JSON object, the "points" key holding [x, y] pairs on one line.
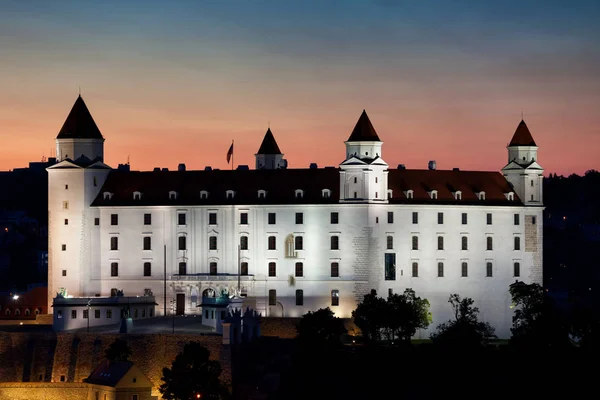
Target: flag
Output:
{"points": [[229, 153]]}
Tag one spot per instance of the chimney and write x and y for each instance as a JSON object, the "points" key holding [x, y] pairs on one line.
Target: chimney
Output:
{"points": [[455, 169], [165, 170], [401, 166], [432, 165], [242, 167], [156, 169], [208, 168], [313, 165], [181, 167]]}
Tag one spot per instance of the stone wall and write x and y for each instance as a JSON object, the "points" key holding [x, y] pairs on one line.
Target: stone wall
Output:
{"points": [[285, 328], [47, 391], [27, 357]]}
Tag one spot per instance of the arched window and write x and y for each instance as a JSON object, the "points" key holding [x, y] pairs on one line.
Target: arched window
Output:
{"points": [[433, 194], [17, 312], [262, 194], [203, 195], [27, 312], [299, 193], [229, 194], [326, 193], [458, 195], [137, 195], [172, 195]]}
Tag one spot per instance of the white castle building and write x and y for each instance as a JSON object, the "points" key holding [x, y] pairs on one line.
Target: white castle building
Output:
{"points": [[295, 239]]}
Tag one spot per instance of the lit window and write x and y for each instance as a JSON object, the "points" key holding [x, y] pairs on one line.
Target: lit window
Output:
{"points": [[335, 297]]}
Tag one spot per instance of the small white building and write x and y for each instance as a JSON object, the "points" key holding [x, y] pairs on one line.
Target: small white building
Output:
{"points": [[81, 312], [302, 239]]}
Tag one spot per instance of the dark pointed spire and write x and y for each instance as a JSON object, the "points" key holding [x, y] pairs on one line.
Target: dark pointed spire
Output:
{"points": [[79, 124], [269, 145], [522, 136], [364, 131]]}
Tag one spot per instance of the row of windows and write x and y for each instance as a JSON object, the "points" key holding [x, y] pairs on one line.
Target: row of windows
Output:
{"points": [[299, 218], [108, 313], [390, 270], [213, 269], [17, 312], [229, 194], [335, 297], [464, 243]]}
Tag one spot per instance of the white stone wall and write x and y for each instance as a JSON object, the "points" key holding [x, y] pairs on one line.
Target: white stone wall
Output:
{"points": [[75, 148]]}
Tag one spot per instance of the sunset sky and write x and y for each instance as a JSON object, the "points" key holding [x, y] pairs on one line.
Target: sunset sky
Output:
{"points": [[176, 81]]}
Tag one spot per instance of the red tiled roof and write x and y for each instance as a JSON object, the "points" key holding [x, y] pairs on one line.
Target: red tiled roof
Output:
{"points": [[281, 185], [79, 123], [269, 145], [363, 130], [36, 297], [522, 136]]}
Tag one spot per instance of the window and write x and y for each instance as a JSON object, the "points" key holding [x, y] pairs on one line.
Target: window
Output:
{"points": [[272, 243], [517, 269], [147, 269], [213, 268], [440, 218], [137, 195], [243, 242], [335, 243], [64, 272], [114, 243], [203, 195], [183, 268], [212, 218], [299, 269], [86, 314], [490, 243], [96, 221], [172, 195], [409, 194], [181, 219], [62, 378], [415, 243], [335, 270], [244, 269], [335, 297], [517, 219], [114, 269], [355, 180], [532, 183], [533, 220], [517, 243], [272, 297], [415, 217], [415, 270], [65, 205], [390, 217], [390, 242], [440, 243], [489, 218], [390, 266], [434, 194], [481, 195], [488, 269], [73, 314], [326, 193], [355, 194], [114, 219], [64, 247], [334, 218], [212, 243], [147, 219], [299, 218], [464, 243], [272, 269], [272, 218], [147, 243], [262, 194], [440, 270], [458, 195], [96, 313], [66, 221], [464, 270], [299, 297], [299, 193], [464, 218], [181, 243], [244, 218], [67, 186], [108, 313], [298, 244]]}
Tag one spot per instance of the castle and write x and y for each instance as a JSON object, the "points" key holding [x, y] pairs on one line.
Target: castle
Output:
{"points": [[293, 240]]}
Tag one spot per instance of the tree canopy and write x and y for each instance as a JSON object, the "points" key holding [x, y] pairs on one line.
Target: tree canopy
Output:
{"points": [[192, 373], [465, 331], [397, 317], [118, 351], [320, 328]]}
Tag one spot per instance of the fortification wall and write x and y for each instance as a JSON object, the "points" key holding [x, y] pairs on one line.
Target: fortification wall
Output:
{"points": [[285, 328], [69, 357]]}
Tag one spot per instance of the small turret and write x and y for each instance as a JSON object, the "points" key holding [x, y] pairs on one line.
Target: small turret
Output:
{"points": [[269, 156], [79, 135]]}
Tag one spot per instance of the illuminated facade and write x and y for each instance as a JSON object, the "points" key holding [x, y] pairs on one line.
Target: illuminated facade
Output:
{"points": [[299, 239]]}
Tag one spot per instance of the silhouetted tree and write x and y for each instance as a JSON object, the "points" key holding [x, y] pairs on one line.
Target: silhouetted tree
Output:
{"points": [[320, 329], [465, 331], [193, 373], [118, 351], [369, 316], [536, 322], [404, 314]]}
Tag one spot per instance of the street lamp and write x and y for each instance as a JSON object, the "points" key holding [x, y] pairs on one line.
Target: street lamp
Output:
{"points": [[89, 303]]}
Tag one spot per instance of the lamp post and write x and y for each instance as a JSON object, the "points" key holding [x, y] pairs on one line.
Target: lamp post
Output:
{"points": [[89, 303]]}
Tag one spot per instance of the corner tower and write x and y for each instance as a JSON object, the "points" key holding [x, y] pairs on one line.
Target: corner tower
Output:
{"points": [[269, 156], [363, 174], [523, 171], [79, 135]]}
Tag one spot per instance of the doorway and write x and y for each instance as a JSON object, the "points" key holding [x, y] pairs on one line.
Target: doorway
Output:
{"points": [[180, 308]]}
